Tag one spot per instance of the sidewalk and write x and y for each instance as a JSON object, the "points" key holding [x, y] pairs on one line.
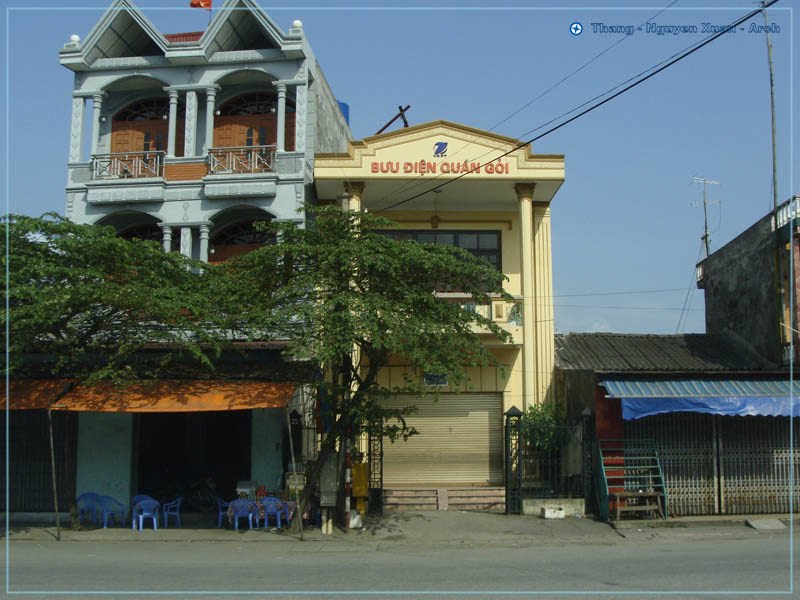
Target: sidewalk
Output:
{"points": [[434, 529]]}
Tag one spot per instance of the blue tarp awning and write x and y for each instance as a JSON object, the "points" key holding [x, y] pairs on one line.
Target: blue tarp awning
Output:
{"points": [[754, 397]]}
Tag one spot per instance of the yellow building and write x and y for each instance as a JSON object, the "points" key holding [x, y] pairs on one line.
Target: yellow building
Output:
{"points": [[498, 208]]}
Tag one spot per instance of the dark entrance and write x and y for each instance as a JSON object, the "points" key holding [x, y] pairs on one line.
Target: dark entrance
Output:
{"points": [[178, 452]]}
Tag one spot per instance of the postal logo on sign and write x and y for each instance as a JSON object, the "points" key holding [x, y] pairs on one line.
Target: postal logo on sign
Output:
{"points": [[439, 149]]}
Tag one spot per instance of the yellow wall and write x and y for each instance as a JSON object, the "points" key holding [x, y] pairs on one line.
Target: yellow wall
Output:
{"points": [[525, 185]]}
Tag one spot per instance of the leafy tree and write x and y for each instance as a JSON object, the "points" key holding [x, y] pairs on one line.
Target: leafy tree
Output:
{"points": [[542, 426], [84, 304], [349, 298]]}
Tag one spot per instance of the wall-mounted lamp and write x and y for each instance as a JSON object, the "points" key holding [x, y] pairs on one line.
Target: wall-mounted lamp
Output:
{"points": [[103, 119], [164, 117], [216, 112]]}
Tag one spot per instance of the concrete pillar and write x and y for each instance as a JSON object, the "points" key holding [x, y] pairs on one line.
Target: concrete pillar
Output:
{"points": [[211, 98], [204, 230], [191, 123], [186, 241], [543, 300], [97, 106], [281, 139], [525, 196], [266, 454], [105, 454], [76, 129], [173, 122], [353, 201], [166, 237]]}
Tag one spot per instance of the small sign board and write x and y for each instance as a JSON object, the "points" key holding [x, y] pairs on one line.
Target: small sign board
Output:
{"points": [[327, 482]]}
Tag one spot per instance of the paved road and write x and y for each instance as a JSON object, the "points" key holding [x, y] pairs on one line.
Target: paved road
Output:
{"points": [[643, 561], [404, 555]]}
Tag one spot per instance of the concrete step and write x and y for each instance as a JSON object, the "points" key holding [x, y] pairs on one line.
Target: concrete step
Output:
{"points": [[461, 498]]}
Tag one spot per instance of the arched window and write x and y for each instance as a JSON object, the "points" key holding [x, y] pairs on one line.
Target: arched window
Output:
{"points": [[143, 126], [144, 110], [237, 238], [256, 103], [152, 232]]}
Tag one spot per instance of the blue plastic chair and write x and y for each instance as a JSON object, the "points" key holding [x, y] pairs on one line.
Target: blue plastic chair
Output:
{"points": [[172, 509], [138, 498], [222, 507], [242, 507], [88, 508], [142, 510], [276, 508], [110, 508]]}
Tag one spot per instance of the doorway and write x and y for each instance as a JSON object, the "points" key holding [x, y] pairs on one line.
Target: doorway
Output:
{"points": [[180, 452]]}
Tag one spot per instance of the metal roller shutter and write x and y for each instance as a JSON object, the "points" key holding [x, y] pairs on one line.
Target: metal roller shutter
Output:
{"points": [[460, 441]]}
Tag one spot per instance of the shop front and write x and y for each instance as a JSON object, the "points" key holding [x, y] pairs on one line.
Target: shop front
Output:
{"points": [[445, 183]]}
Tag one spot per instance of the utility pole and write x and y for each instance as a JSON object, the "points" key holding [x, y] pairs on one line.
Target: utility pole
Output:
{"points": [[783, 335], [705, 236], [772, 108]]}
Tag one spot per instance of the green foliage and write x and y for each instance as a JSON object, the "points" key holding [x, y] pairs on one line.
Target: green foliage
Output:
{"points": [[542, 425], [84, 303], [349, 299]]}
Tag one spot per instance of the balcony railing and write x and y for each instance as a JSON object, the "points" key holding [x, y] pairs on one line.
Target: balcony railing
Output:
{"points": [[124, 165], [787, 211], [241, 159]]}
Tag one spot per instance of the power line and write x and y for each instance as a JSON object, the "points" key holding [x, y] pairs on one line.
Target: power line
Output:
{"points": [[621, 307], [618, 293], [409, 185], [673, 60], [579, 69], [687, 301]]}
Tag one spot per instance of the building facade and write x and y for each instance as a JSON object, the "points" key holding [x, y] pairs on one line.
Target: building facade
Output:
{"points": [[188, 139], [497, 209], [713, 413], [750, 284]]}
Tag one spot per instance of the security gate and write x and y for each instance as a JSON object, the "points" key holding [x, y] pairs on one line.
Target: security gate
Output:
{"points": [[723, 465], [756, 463]]}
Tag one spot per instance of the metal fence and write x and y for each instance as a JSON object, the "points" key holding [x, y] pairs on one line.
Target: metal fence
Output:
{"points": [[558, 467]]}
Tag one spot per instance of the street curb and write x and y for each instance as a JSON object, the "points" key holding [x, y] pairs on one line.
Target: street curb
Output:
{"points": [[680, 522]]}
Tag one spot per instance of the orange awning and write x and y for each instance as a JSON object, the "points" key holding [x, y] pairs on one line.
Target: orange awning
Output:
{"points": [[155, 396]]}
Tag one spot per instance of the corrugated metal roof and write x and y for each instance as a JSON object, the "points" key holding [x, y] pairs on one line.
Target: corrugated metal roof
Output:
{"points": [[623, 353], [729, 397], [696, 388], [189, 36]]}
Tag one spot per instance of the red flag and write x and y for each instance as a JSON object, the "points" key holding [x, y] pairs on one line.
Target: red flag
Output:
{"points": [[200, 4]]}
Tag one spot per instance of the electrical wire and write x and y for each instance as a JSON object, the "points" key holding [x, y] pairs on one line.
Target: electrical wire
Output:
{"points": [[622, 307], [409, 185], [579, 69], [687, 301], [638, 81], [618, 293]]}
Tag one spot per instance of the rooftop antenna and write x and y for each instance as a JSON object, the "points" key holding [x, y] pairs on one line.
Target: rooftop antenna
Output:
{"points": [[705, 203], [400, 115]]}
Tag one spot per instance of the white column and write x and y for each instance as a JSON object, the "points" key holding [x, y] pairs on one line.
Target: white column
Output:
{"points": [[173, 122], [525, 196], [97, 106], [76, 129], [353, 202], [166, 238], [186, 241], [204, 229], [191, 123], [281, 140], [543, 300], [211, 96]]}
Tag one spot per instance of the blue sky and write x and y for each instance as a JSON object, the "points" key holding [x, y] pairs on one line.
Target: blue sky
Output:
{"points": [[625, 235]]}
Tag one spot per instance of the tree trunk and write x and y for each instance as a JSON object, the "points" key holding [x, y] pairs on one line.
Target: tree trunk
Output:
{"points": [[53, 472], [312, 479]]}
